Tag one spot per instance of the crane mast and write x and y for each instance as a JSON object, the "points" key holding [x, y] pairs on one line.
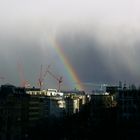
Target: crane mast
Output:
{"points": [[23, 83], [41, 77]]}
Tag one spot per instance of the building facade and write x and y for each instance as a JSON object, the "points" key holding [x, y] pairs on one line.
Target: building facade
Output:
{"points": [[128, 105]]}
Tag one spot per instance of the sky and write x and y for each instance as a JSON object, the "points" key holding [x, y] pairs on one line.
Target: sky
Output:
{"points": [[99, 38]]}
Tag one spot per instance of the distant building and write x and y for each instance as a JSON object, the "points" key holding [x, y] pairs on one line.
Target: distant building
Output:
{"points": [[47, 92], [13, 112], [74, 102], [46, 103], [72, 105], [34, 109], [112, 89], [101, 106], [128, 105], [56, 106], [54, 92], [22, 108]]}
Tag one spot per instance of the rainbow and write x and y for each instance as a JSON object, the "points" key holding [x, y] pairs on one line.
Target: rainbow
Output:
{"points": [[71, 71]]}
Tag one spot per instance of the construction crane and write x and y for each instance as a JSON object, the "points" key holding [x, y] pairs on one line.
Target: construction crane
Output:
{"points": [[40, 80], [23, 83], [59, 79], [41, 77]]}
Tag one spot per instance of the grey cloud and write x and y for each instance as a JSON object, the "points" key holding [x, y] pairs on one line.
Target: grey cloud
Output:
{"points": [[98, 62], [97, 57]]}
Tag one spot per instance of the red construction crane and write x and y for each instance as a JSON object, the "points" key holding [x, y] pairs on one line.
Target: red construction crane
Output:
{"points": [[41, 77], [40, 81], [59, 79], [23, 83]]}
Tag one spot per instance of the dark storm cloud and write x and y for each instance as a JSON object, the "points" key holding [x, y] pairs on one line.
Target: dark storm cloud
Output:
{"points": [[97, 56], [100, 38], [103, 63]]}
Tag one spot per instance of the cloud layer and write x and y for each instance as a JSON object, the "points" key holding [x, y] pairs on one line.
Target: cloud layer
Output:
{"points": [[100, 39]]}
